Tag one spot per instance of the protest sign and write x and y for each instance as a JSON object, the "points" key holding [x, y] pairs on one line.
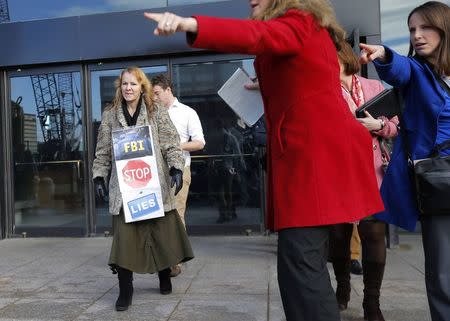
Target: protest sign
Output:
{"points": [[137, 172]]}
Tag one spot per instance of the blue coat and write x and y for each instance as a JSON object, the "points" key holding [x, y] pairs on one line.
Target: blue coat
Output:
{"points": [[424, 100]]}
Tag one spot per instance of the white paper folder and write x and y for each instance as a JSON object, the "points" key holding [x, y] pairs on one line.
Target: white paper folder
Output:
{"points": [[247, 104]]}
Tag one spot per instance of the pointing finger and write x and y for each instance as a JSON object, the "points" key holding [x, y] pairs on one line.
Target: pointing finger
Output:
{"points": [[364, 46], [153, 16]]}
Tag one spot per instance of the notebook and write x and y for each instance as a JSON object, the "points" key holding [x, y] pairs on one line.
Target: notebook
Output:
{"points": [[387, 103]]}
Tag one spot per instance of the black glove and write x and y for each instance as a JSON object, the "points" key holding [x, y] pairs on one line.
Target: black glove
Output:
{"points": [[177, 179], [100, 188]]}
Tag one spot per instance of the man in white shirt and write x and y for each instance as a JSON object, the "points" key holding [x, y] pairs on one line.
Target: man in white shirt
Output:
{"points": [[189, 128]]}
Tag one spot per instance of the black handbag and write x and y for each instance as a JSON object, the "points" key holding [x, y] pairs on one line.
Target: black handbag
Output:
{"points": [[432, 182]]}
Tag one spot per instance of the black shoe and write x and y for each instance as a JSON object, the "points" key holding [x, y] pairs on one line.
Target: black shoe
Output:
{"points": [[165, 285], [355, 267]]}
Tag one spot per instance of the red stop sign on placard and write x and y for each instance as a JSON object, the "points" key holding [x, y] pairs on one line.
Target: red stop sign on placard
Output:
{"points": [[137, 173]]}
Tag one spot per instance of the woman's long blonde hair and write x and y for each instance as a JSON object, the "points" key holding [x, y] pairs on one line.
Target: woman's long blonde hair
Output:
{"points": [[322, 11], [146, 87]]}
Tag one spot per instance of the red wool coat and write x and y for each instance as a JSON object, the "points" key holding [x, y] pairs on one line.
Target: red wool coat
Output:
{"points": [[320, 160]]}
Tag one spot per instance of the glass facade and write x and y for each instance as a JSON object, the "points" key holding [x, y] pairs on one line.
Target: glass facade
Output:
{"points": [[49, 125], [48, 149]]}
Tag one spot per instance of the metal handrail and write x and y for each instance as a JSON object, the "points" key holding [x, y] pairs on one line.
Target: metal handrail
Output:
{"points": [[51, 162]]}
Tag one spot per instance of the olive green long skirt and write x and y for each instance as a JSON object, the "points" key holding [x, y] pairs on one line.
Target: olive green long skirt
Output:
{"points": [[149, 246]]}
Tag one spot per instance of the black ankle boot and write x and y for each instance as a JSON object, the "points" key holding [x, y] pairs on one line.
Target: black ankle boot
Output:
{"points": [[165, 285], [126, 289], [341, 269]]}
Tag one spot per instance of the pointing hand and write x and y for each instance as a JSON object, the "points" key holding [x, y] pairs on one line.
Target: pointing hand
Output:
{"points": [[169, 23]]}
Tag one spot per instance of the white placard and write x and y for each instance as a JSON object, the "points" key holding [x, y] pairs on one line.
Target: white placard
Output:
{"points": [[137, 172]]}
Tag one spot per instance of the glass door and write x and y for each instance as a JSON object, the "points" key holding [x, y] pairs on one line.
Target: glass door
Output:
{"points": [[226, 190], [48, 148], [102, 79]]}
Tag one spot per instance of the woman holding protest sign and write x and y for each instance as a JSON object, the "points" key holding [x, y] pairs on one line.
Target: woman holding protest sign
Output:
{"points": [[156, 244]]}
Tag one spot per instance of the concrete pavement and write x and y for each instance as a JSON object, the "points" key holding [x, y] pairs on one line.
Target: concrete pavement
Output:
{"points": [[232, 278]]}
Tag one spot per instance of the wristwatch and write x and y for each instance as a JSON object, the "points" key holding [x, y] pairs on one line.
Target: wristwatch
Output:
{"points": [[382, 123]]}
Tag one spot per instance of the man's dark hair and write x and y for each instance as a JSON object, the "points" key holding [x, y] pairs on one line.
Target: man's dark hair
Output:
{"points": [[163, 81]]}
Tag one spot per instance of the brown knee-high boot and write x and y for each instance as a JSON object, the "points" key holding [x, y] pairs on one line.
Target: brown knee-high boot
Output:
{"points": [[126, 289], [373, 277], [341, 269]]}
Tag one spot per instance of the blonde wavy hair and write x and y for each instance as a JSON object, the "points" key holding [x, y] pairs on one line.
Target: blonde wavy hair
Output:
{"points": [[146, 87], [322, 10]]}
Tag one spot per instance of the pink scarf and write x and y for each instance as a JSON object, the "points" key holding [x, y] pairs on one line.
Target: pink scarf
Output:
{"points": [[356, 98]]}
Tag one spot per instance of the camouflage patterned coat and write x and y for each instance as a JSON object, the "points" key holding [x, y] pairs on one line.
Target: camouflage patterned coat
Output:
{"points": [[166, 144]]}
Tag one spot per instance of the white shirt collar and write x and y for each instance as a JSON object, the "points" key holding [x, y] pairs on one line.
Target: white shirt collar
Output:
{"points": [[175, 103]]}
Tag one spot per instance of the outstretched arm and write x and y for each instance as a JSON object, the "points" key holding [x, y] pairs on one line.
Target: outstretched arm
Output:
{"points": [[391, 67], [285, 35]]}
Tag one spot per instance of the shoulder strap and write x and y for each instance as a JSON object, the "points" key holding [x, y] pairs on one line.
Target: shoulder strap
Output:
{"points": [[443, 84]]}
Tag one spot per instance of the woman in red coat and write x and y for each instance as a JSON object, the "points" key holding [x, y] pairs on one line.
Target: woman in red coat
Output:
{"points": [[317, 176]]}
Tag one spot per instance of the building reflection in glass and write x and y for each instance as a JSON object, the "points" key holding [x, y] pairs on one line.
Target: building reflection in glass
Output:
{"points": [[226, 180], [48, 149]]}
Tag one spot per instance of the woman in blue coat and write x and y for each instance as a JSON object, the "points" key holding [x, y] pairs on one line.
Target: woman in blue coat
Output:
{"points": [[426, 121]]}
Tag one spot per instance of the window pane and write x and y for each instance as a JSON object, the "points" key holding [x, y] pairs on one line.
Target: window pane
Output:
{"points": [[48, 148]]}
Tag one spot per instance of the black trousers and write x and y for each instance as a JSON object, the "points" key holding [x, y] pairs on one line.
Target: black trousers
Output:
{"points": [[436, 246], [303, 277]]}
